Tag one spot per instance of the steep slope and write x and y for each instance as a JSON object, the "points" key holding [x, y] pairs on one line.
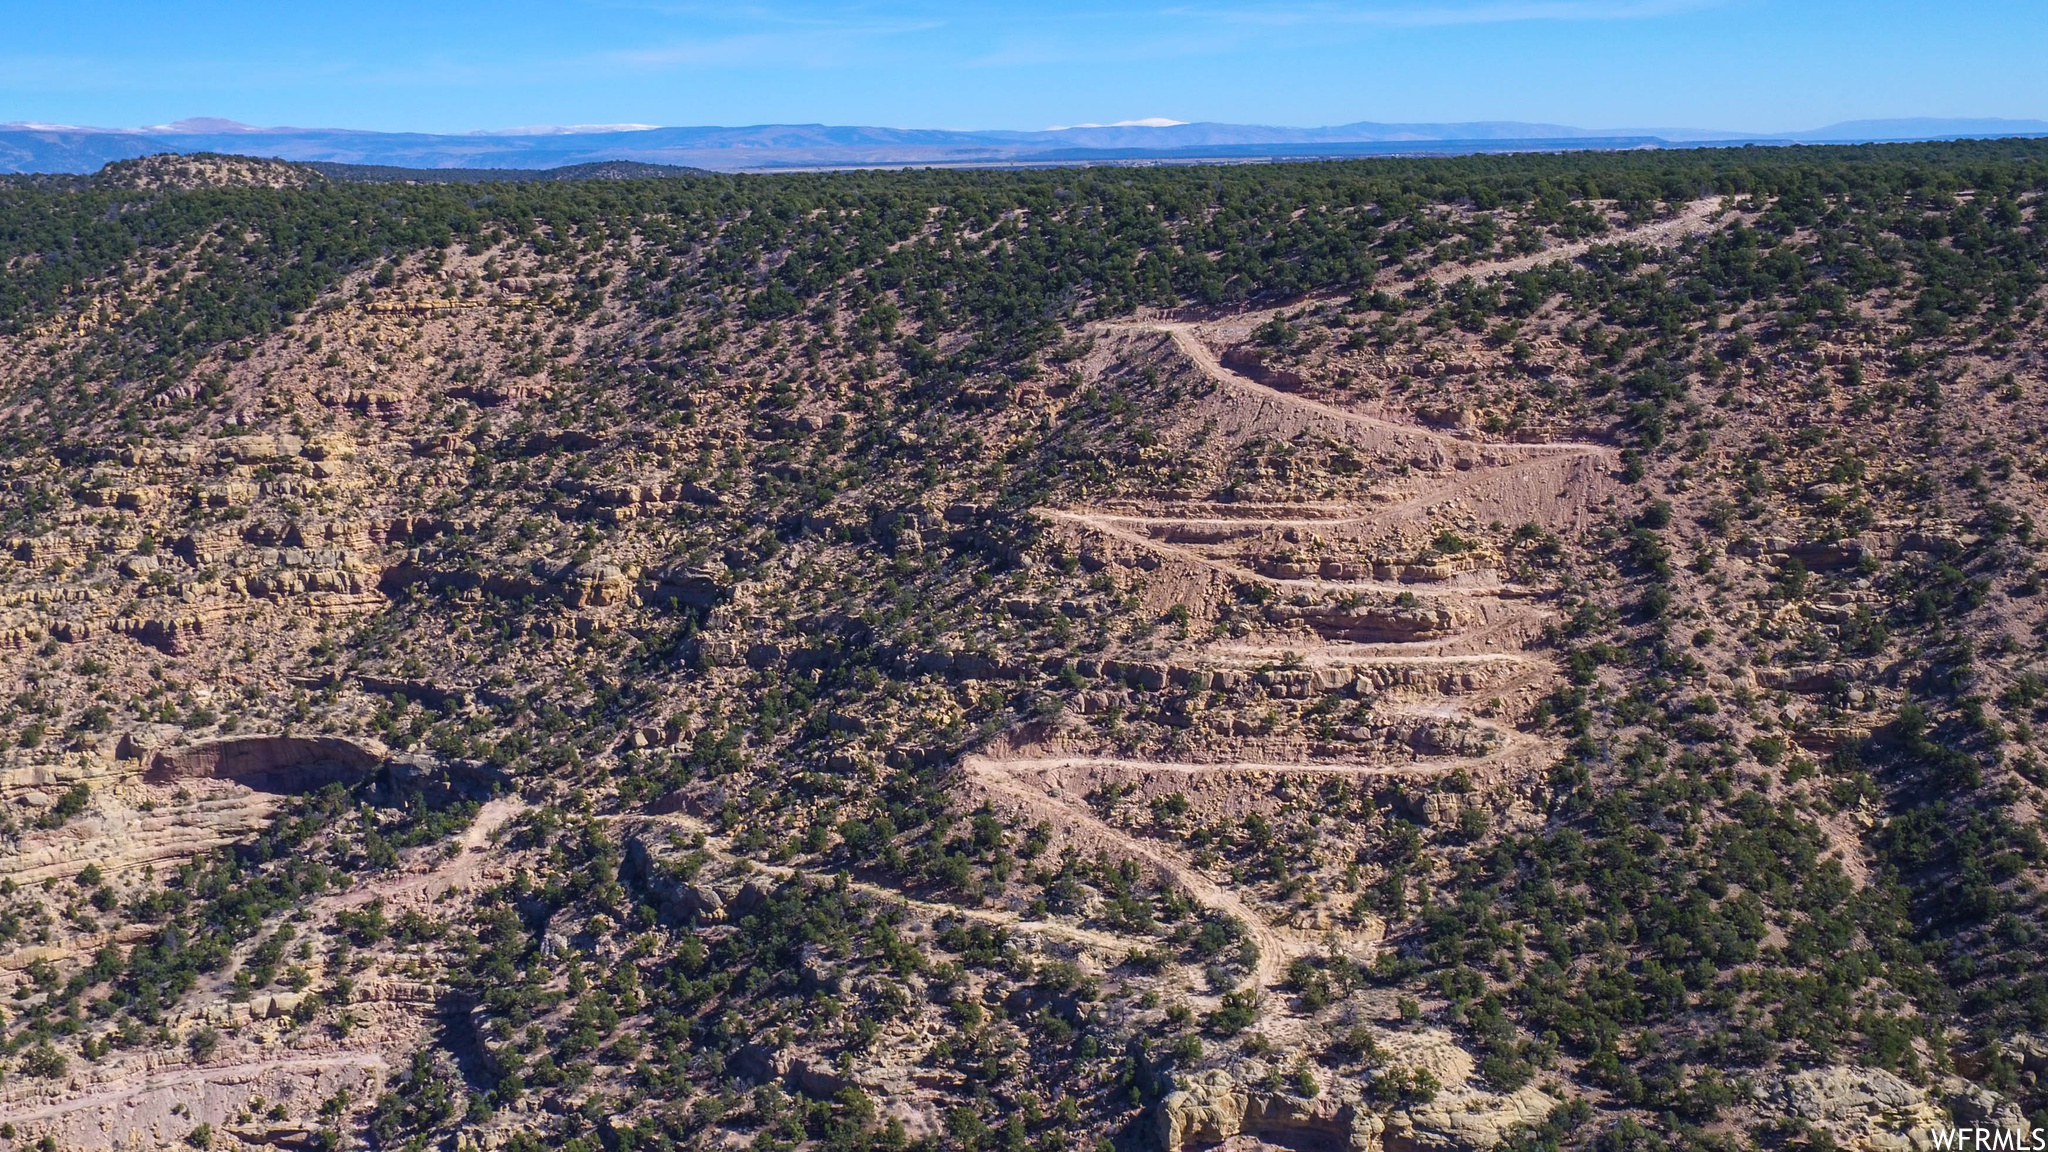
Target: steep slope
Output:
{"points": [[1376, 656]]}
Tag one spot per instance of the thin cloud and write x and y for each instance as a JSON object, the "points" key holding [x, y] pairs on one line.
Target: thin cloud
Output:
{"points": [[1156, 39], [1055, 17], [73, 73], [815, 45], [1110, 34], [1440, 15]]}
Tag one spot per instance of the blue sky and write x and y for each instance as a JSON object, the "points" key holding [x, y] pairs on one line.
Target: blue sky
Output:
{"points": [[1752, 65]]}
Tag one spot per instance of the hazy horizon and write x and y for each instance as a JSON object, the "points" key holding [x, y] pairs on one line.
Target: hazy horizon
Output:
{"points": [[210, 125], [75, 149], [1736, 66]]}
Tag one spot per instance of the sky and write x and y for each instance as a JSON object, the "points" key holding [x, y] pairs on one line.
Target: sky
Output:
{"points": [[465, 65]]}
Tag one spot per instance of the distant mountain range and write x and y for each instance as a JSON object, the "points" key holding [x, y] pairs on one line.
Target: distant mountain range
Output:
{"points": [[66, 148]]}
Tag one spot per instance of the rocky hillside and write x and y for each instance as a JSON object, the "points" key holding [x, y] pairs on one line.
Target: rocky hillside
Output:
{"points": [[1519, 652]]}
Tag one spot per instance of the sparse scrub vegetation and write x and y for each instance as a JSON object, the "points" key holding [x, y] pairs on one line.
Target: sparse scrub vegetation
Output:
{"points": [[992, 660]]}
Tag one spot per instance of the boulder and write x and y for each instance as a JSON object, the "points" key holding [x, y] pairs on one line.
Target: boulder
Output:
{"points": [[697, 587], [818, 974], [596, 585], [758, 1063], [815, 1078], [681, 900], [752, 895]]}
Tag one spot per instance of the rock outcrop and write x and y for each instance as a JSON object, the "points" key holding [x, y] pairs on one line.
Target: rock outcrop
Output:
{"points": [[292, 764], [270, 763], [1212, 1108], [1461, 1117], [676, 892], [1862, 1108], [1464, 1119]]}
